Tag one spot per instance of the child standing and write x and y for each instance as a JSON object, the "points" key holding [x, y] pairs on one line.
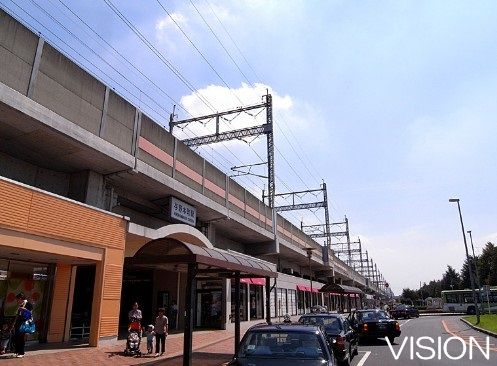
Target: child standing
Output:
{"points": [[150, 338]]}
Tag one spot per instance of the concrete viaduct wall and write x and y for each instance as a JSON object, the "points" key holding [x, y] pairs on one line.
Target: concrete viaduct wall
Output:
{"points": [[35, 69]]}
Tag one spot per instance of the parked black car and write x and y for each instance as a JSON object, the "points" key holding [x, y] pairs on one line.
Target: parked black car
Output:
{"points": [[341, 336], [374, 323], [285, 345], [404, 311]]}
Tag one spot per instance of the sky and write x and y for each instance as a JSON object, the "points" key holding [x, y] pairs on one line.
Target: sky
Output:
{"points": [[391, 103]]}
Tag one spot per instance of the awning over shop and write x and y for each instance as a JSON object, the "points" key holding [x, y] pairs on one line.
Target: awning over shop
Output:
{"points": [[306, 288], [254, 281], [341, 289], [201, 262]]}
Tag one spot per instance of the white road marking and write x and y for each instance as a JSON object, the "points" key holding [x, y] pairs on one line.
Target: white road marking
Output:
{"points": [[408, 320], [362, 361]]}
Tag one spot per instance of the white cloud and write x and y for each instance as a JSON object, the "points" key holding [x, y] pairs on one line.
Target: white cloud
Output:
{"points": [[220, 99], [166, 30]]}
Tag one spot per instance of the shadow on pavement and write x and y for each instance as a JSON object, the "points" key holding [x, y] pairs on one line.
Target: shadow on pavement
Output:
{"points": [[198, 358]]}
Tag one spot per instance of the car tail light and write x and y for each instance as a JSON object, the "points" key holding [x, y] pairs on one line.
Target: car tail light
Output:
{"points": [[365, 327], [397, 326]]}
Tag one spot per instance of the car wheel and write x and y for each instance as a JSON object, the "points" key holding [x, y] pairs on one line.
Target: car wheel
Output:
{"points": [[471, 310], [391, 339]]}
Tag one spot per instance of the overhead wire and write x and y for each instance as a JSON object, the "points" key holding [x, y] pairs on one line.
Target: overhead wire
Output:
{"points": [[162, 58], [105, 75], [159, 54], [94, 53], [249, 82], [135, 69], [111, 65], [309, 161], [102, 73], [199, 52]]}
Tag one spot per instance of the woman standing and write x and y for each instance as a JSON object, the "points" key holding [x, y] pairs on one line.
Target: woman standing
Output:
{"points": [[24, 312]]}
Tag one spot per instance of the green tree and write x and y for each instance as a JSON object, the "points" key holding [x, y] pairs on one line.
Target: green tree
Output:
{"points": [[450, 279], [488, 265], [432, 289], [465, 279], [409, 295]]}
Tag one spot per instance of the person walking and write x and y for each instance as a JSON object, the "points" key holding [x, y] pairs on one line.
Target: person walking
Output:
{"points": [[161, 331], [24, 313], [174, 315]]}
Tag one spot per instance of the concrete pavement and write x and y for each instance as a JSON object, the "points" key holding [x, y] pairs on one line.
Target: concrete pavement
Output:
{"points": [[210, 348]]}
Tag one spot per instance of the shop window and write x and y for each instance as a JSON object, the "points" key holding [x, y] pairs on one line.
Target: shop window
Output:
{"points": [[256, 302], [300, 302], [30, 279], [243, 301], [272, 303], [282, 302], [292, 302]]}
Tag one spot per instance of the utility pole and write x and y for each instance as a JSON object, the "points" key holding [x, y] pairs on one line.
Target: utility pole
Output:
{"points": [[477, 272], [264, 129], [319, 230], [477, 310]]}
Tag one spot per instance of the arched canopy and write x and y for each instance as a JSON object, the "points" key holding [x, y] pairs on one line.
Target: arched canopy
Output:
{"points": [[172, 254]]}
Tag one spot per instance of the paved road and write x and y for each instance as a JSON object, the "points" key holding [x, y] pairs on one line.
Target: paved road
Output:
{"points": [[438, 328]]}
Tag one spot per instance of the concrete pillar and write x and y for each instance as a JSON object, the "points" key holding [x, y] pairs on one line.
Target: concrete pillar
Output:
{"points": [[61, 291], [189, 311], [88, 187], [136, 132], [237, 311], [268, 300], [103, 120], [96, 304], [35, 69]]}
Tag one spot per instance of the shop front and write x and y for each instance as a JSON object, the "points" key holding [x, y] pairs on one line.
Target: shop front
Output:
{"points": [[210, 303], [308, 297], [203, 270], [256, 297], [34, 281], [66, 258], [344, 297]]}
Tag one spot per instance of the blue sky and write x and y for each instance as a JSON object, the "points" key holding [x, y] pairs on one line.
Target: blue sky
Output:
{"points": [[392, 103]]}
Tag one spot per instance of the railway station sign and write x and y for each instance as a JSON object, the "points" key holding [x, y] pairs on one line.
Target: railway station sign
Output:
{"points": [[182, 211]]}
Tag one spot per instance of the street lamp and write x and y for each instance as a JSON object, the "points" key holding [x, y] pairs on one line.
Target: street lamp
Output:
{"points": [[474, 261], [309, 256], [469, 262]]}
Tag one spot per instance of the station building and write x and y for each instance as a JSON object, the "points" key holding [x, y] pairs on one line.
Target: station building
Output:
{"points": [[101, 207]]}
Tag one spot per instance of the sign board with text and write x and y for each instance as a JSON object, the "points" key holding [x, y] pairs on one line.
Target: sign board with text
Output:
{"points": [[182, 211]]}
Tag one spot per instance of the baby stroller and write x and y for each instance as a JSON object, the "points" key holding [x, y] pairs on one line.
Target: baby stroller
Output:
{"points": [[134, 339]]}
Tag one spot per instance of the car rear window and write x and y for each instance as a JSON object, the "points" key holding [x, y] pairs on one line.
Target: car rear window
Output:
{"points": [[373, 315], [330, 324], [257, 344]]}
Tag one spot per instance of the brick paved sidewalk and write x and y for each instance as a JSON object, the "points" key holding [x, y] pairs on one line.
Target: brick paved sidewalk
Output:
{"points": [[210, 348]]}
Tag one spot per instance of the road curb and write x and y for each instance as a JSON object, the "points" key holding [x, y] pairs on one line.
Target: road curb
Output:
{"points": [[487, 332]]}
